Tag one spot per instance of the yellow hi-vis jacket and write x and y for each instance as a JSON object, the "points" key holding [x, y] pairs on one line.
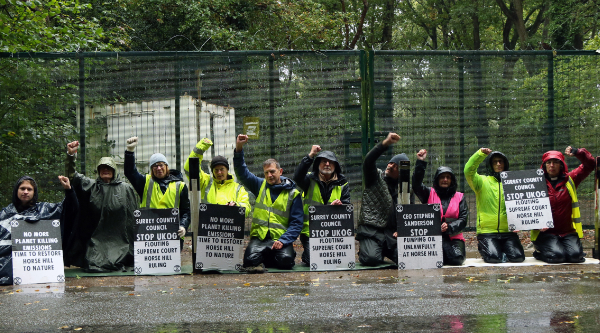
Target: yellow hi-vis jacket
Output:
{"points": [[154, 198], [575, 213], [313, 197], [214, 192], [271, 216]]}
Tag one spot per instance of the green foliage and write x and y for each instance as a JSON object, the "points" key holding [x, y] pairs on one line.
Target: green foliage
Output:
{"points": [[54, 25]]}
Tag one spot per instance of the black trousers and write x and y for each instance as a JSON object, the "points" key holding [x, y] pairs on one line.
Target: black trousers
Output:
{"points": [[454, 251], [305, 244], [372, 252], [260, 252], [500, 247], [556, 249]]}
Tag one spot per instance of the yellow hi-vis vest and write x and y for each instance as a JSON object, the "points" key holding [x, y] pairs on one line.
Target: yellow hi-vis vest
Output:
{"points": [[313, 197], [212, 198], [271, 216], [154, 198], [575, 213]]}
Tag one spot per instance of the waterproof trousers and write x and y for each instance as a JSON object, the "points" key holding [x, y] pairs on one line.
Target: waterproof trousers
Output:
{"points": [[454, 251], [371, 252], [500, 247], [260, 252], [306, 245], [556, 249]]}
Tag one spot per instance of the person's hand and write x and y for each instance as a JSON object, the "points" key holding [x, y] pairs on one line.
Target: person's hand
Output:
{"points": [[65, 182], [422, 154], [486, 151], [314, 151], [395, 234], [336, 202], [569, 151], [543, 229], [204, 144], [391, 139], [231, 203], [132, 143], [444, 227], [72, 147], [241, 140], [181, 232], [277, 245]]}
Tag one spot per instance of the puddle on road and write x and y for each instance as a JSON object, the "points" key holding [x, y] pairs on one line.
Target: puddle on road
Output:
{"points": [[582, 321]]}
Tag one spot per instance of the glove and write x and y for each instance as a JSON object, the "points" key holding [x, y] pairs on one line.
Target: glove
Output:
{"points": [[204, 144], [181, 232], [131, 143]]}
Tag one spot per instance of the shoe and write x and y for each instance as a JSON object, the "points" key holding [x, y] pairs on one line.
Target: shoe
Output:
{"points": [[255, 269]]}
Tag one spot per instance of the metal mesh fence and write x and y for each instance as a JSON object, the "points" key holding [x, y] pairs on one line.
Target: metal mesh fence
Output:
{"points": [[450, 103]]}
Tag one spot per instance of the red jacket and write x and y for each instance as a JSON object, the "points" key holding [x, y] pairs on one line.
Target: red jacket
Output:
{"points": [[560, 200]]}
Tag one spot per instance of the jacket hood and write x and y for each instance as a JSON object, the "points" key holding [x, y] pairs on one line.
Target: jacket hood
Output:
{"points": [[109, 162], [400, 157], [286, 184], [444, 191], [488, 164], [557, 155], [330, 156], [15, 198]]}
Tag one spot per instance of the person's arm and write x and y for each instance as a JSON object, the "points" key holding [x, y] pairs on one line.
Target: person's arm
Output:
{"points": [[240, 168], [588, 164], [137, 180], [345, 197], [295, 222], [184, 208], [70, 207], [198, 151], [473, 178], [460, 223], [243, 200], [300, 176], [419, 189]]}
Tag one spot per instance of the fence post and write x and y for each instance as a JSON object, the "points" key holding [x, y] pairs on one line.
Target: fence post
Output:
{"points": [[371, 97], [177, 113], [272, 78], [82, 144], [461, 115], [549, 137]]}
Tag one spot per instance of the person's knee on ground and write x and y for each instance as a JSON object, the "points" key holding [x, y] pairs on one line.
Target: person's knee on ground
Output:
{"points": [[573, 249], [253, 256], [284, 258], [489, 249], [306, 245], [513, 248], [454, 253], [370, 252]]}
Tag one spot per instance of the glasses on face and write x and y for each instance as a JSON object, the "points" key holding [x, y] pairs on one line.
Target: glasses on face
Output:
{"points": [[158, 165]]}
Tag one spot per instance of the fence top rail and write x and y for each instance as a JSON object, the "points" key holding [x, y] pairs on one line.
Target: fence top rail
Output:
{"points": [[487, 53], [187, 54]]}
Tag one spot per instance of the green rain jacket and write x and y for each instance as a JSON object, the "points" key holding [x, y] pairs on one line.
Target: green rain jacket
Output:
{"points": [[491, 210], [104, 238]]}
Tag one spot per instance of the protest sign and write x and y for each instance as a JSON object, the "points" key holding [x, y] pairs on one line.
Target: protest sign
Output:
{"points": [[526, 199], [37, 252], [220, 237], [419, 236], [331, 237], [157, 245]]}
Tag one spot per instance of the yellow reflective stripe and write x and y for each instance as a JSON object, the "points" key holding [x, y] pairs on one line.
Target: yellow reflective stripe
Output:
{"points": [[149, 193], [177, 193], [271, 225]]}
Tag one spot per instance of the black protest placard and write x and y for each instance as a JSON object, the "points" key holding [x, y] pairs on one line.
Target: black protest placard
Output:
{"points": [[37, 252], [220, 237], [157, 246], [419, 236], [331, 237], [526, 199]]}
